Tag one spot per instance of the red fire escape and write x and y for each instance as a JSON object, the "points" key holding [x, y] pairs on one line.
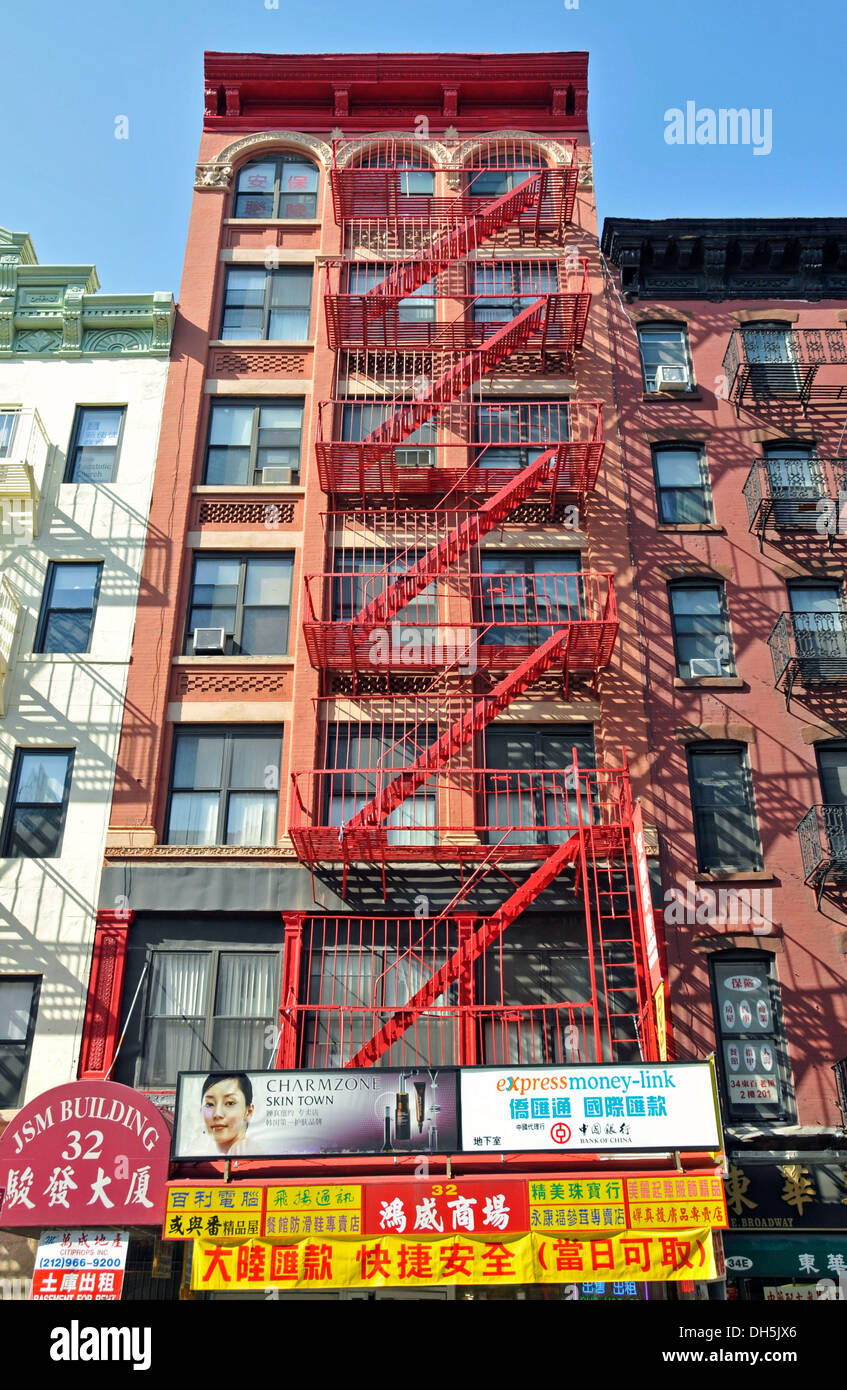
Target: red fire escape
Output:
{"points": [[423, 641]]}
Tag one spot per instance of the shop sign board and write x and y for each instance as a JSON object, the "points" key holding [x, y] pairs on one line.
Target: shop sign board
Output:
{"points": [[640, 1106], [88, 1150], [80, 1264]]}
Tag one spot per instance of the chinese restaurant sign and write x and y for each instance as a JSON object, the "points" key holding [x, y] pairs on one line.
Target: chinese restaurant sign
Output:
{"points": [[643, 1106], [579, 1206], [400, 1261], [279, 1114], [89, 1150], [73, 1265]]}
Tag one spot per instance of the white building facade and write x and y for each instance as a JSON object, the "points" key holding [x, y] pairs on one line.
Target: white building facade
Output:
{"points": [[82, 378]]}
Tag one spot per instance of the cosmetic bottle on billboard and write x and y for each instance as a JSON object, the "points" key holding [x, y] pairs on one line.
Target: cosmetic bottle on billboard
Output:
{"points": [[420, 1097], [386, 1124], [402, 1115]]}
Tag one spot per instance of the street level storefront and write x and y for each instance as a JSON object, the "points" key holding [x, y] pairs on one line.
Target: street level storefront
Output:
{"points": [[788, 1228]]}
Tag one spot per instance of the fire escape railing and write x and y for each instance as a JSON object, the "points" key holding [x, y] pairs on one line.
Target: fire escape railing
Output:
{"points": [[791, 364], [823, 844], [809, 649], [468, 448], [796, 494]]}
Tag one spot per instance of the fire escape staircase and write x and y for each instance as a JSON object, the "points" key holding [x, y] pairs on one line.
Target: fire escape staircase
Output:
{"points": [[409, 276]]}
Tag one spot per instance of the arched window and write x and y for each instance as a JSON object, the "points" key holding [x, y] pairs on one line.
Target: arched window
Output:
{"points": [[283, 185], [493, 172]]}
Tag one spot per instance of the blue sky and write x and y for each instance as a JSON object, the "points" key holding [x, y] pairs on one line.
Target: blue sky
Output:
{"points": [[71, 69]]}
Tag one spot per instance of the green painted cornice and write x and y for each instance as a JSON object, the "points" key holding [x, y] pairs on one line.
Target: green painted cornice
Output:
{"points": [[57, 310]]}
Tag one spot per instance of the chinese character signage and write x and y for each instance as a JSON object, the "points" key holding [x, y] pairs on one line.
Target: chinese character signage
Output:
{"points": [[643, 1106], [409, 1261], [89, 1150], [581, 1205], [748, 1034], [80, 1264], [802, 1196], [277, 1114]]}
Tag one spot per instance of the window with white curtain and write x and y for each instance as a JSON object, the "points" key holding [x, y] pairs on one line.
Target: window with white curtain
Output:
{"points": [[224, 786], [365, 758], [267, 304], [209, 1009]]}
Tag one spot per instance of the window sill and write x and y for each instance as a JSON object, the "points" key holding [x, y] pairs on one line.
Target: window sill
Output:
{"points": [[74, 658], [672, 396], [694, 526], [251, 490], [272, 222], [261, 343], [709, 682], [233, 661], [734, 876]]}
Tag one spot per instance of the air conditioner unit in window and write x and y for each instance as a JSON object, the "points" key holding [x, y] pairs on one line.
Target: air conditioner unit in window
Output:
{"points": [[705, 666], [209, 641], [671, 378], [277, 475]]}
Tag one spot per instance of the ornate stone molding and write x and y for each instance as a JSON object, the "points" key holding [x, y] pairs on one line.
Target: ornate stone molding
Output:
{"points": [[217, 172], [202, 852]]}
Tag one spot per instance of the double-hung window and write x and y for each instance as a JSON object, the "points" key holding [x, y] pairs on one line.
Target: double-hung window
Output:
{"points": [[530, 790], [282, 187], [248, 598], [363, 759], [682, 485], [360, 419], [506, 170], [38, 802], [795, 484], [502, 289], [725, 824], [665, 361], [526, 595], [271, 305], [18, 1004], [412, 181], [224, 786], [701, 631], [245, 438], [361, 577], [209, 1009], [95, 444], [68, 606], [770, 350], [418, 307], [513, 434]]}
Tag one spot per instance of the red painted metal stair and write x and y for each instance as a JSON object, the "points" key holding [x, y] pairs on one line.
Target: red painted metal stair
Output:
{"points": [[473, 947], [481, 713], [488, 517], [461, 375], [407, 277]]}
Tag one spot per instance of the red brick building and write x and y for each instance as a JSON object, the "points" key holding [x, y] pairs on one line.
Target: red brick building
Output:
{"points": [[385, 717], [730, 356]]}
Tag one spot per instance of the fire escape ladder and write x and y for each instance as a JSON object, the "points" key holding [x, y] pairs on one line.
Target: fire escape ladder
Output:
{"points": [[458, 541], [404, 279], [481, 713], [461, 375], [470, 950]]}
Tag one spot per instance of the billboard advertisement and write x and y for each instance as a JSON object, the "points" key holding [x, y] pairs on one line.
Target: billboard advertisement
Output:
{"points": [[639, 1106], [279, 1114]]}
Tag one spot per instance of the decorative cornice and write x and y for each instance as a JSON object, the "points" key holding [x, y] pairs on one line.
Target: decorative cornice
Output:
{"points": [[217, 172], [729, 258], [56, 310], [203, 852]]}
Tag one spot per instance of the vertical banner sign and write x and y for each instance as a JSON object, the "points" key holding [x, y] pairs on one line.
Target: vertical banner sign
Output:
{"points": [[661, 1023], [80, 1264], [645, 900]]}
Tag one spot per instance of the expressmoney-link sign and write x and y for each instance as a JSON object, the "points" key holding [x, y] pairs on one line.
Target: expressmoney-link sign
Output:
{"points": [[642, 1106]]}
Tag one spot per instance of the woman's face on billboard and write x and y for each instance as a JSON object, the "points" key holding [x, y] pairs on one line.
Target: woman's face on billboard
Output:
{"points": [[226, 1112]]}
